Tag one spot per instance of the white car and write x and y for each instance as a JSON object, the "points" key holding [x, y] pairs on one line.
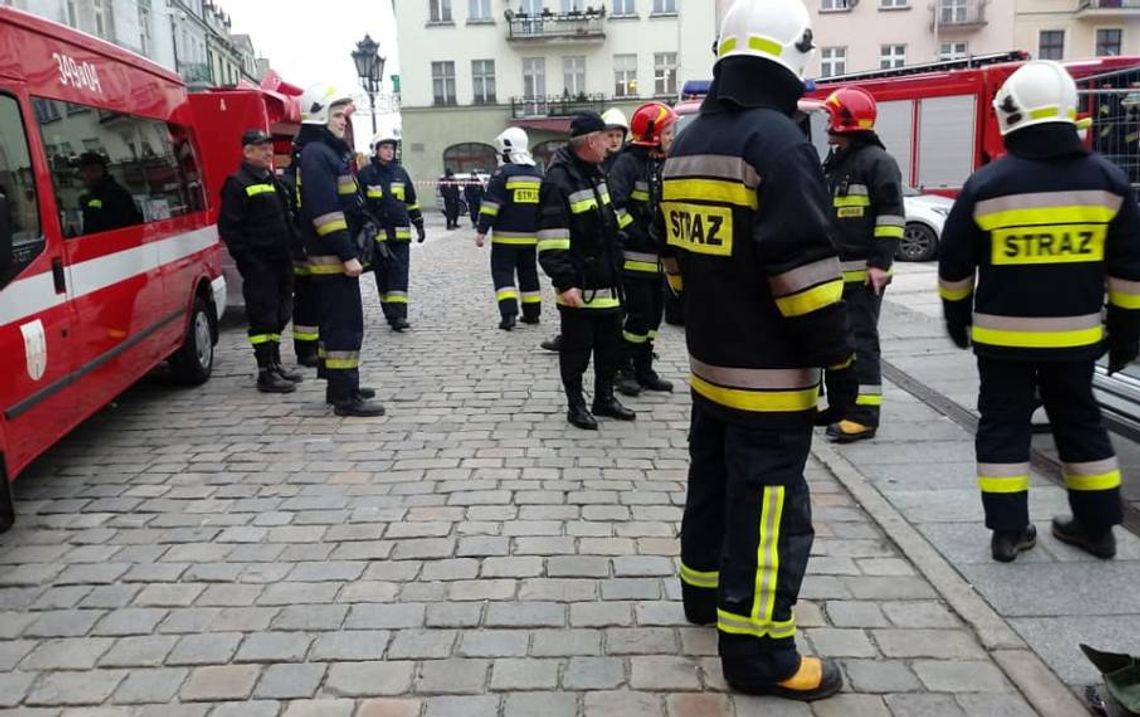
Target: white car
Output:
{"points": [[925, 216]]}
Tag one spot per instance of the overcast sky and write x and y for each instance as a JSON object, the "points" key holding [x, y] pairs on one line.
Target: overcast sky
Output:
{"points": [[310, 41]]}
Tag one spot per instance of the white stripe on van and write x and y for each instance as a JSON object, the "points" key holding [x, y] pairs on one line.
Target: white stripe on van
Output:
{"points": [[32, 295]]}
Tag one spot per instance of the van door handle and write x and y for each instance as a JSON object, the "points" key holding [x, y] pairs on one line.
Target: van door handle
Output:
{"points": [[58, 276]]}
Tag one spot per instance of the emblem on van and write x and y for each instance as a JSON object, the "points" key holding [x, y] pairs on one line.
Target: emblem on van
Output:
{"points": [[35, 348]]}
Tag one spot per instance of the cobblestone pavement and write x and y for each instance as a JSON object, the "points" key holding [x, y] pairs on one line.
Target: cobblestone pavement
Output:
{"points": [[222, 552]]}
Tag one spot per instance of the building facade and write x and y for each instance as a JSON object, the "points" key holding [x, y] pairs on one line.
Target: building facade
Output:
{"points": [[470, 68], [1068, 29]]}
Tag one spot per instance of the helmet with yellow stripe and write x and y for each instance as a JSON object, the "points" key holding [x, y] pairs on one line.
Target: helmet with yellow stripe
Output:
{"points": [[318, 100], [1039, 92], [778, 31], [649, 121]]}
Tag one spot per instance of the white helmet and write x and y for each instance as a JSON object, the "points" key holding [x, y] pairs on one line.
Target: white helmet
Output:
{"points": [[389, 135], [318, 99], [1040, 91], [778, 31], [512, 145], [615, 119]]}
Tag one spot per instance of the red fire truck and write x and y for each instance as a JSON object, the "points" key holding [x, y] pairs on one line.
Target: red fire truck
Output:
{"points": [[109, 260]]}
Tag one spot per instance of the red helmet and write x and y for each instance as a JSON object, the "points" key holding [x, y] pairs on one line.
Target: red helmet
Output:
{"points": [[851, 110], [649, 121]]}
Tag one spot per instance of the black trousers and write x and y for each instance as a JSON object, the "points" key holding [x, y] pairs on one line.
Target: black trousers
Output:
{"points": [[586, 332], [1006, 402], [451, 212], [392, 281], [342, 333], [644, 307], [306, 312], [473, 209], [267, 287], [746, 535], [507, 261], [863, 308]]}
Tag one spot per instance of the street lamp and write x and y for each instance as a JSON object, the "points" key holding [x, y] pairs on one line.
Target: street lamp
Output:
{"points": [[370, 69]]}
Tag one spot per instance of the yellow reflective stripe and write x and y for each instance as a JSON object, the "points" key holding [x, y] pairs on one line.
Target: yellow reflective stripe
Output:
{"points": [[583, 205], [727, 46], [869, 399], [600, 302], [403, 232], [710, 190], [1124, 293], [624, 219], [768, 555], [1073, 214], [634, 338], [737, 625], [514, 240], [840, 366], [859, 276], [956, 290], [326, 269], [1003, 484], [699, 578], [532, 297], [257, 339], [394, 297], [640, 266], [254, 189], [851, 200], [809, 300], [334, 226], [95, 203], [756, 401], [305, 335], [1104, 481], [763, 44], [639, 196], [1037, 339], [491, 210], [345, 363], [553, 244], [523, 182], [888, 232], [414, 207], [375, 193], [1046, 112], [676, 282], [506, 293]]}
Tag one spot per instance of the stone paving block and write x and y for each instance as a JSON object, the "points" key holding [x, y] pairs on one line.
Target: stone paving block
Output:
{"points": [[524, 674], [601, 614], [369, 591], [854, 613], [961, 676], [940, 644], [243, 619], [455, 676], [172, 710], [422, 644], [558, 589], [390, 707], [290, 681], [494, 643], [251, 708], [453, 615], [664, 673], [63, 623], [145, 651], [565, 643], [66, 654], [512, 567], [350, 645], [220, 682], [12, 651], [660, 613], [320, 708], [274, 647], [697, 705], [594, 673], [525, 614], [174, 595], [130, 621], [765, 706], [835, 642], [152, 685], [229, 595], [547, 704], [482, 546], [481, 590], [13, 687], [110, 597], [450, 569], [293, 593], [368, 617], [988, 705], [640, 641], [577, 567], [61, 598], [880, 676], [75, 688], [310, 617], [469, 706], [920, 613], [911, 705], [369, 679], [621, 703], [849, 705], [212, 649]]}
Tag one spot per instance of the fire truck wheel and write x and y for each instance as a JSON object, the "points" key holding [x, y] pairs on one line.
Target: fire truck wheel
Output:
{"points": [[919, 243], [193, 362]]}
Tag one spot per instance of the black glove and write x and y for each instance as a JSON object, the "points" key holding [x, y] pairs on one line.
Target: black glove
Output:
{"points": [[420, 233], [842, 389], [1123, 338], [959, 317]]}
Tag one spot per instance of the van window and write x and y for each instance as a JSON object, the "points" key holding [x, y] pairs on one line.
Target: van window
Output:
{"points": [[112, 170], [18, 187]]}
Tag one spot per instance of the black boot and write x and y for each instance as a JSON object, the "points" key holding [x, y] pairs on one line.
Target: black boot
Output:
{"points": [[1006, 544], [306, 357], [291, 376], [531, 319], [507, 323], [553, 344], [627, 384], [814, 679], [605, 404], [268, 381], [699, 603], [577, 414], [1101, 544], [647, 378], [362, 392], [399, 324], [358, 406]]}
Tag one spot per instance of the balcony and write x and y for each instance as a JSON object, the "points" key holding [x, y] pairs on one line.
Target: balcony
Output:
{"points": [[951, 15], [1104, 9], [555, 106], [572, 27]]}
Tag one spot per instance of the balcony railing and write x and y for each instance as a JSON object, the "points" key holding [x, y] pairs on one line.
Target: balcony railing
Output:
{"points": [[971, 13], [555, 106], [1108, 5], [575, 26]]}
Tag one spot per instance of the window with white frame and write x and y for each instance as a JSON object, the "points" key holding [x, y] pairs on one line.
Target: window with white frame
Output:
{"points": [[440, 10], [573, 5], [443, 82], [144, 28], [479, 10], [625, 75], [953, 11], [72, 14], [953, 51], [892, 56], [574, 75], [664, 7], [101, 12], [625, 7], [832, 61], [664, 73], [1051, 44], [1108, 42], [483, 81], [893, 4], [835, 5], [534, 77]]}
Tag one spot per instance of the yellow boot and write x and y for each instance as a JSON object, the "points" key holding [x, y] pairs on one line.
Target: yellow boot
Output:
{"points": [[849, 431]]}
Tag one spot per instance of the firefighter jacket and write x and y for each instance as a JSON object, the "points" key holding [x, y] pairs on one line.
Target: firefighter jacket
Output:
{"points": [[867, 205], [391, 198], [254, 219], [1032, 243], [108, 205], [330, 206], [746, 217], [635, 186], [510, 206], [578, 242]]}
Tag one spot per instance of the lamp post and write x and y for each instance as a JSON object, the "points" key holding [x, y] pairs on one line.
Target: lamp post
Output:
{"points": [[370, 69]]}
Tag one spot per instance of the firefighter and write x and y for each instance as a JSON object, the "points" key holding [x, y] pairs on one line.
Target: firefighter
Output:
{"points": [[257, 227], [332, 224], [306, 307], [391, 199], [449, 190], [106, 204], [473, 194], [635, 186], [745, 218], [617, 132], [866, 190], [579, 248], [1041, 232], [511, 210]]}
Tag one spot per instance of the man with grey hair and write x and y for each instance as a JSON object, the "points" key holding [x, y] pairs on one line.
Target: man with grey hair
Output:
{"points": [[579, 248]]}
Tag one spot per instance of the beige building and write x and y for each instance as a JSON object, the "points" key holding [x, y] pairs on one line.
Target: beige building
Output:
{"points": [[1068, 29], [470, 68]]}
